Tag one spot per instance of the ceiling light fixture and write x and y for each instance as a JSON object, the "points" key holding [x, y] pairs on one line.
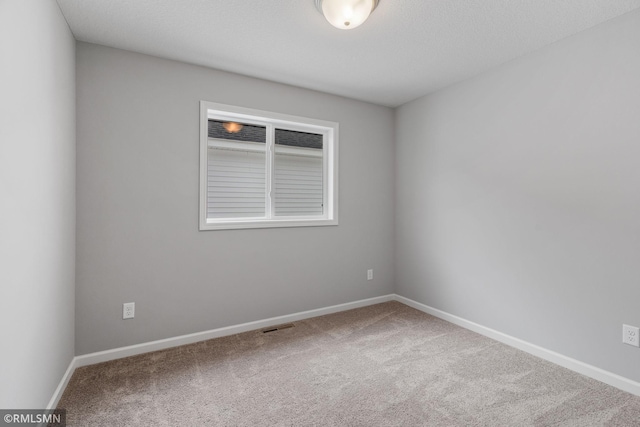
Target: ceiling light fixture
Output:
{"points": [[346, 14]]}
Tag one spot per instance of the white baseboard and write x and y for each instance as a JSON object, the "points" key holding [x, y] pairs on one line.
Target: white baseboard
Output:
{"points": [[62, 385], [590, 371], [118, 353], [575, 365]]}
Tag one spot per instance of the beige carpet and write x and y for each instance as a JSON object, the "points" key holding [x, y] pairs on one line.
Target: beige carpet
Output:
{"points": [[383, 365]]}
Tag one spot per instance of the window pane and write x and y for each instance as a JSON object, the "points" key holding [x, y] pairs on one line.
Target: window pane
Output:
{"points": [[298, 173], [236, 170]]}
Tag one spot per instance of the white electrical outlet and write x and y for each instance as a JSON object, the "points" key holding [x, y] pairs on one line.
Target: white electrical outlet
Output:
{"points": [[631, 335], [369, 274], [128, 310]]}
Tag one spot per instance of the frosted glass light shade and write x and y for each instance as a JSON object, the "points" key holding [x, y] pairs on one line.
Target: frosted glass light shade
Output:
{"points": [[347, 14]]}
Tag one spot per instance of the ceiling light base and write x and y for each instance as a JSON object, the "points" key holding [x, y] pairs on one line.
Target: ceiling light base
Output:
{"points": [[319, 5]]}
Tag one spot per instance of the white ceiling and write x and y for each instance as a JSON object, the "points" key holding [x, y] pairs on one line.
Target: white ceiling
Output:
{"points": [[406, 49]]}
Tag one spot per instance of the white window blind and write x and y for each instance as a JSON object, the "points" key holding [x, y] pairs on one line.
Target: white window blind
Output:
{"points": [[235, 183], [298, 183]]}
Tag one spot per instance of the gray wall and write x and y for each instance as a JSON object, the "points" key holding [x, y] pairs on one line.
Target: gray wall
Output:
{"points": [[37, 201], [137, 207], [518, 197]]}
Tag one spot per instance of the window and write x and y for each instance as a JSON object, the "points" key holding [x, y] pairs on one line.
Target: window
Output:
{"points": [[260, 169]]}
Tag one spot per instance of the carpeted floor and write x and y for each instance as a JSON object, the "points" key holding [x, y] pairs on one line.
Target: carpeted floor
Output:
{"points": [[383, 365]]}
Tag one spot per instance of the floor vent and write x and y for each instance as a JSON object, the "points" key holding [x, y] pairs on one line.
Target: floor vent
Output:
{"points": [[278, 328]]}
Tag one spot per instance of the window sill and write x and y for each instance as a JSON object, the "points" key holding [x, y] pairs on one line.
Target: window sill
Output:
{"points": [[271, 223]]}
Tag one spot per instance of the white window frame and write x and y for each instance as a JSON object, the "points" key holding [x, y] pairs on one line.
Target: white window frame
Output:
{"points": [[329, 130]]}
